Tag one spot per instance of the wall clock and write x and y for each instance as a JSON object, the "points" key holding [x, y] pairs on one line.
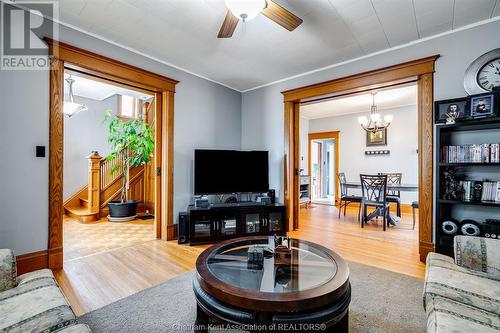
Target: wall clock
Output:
{"points": [[483, 74]]}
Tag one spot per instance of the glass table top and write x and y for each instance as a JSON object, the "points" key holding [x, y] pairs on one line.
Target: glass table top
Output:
{"points": [[308, 267]]}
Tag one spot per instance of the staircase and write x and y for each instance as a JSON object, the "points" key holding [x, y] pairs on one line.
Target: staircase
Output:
{"points": [[90, 203]]}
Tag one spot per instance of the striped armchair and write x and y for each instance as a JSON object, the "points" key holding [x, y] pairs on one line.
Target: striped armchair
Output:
{"points": [[33, 302], [463, 294]]}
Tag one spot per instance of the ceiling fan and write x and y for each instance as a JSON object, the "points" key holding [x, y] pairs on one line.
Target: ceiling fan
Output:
{"points": [[248, 9]]}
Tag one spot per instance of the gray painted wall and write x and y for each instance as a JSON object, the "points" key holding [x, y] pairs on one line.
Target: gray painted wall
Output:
{"points": [[262, 109], [84, 132], [207, 115]]}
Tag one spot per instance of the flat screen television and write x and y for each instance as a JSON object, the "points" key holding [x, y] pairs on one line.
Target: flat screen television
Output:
{"points": [[230, 171]]}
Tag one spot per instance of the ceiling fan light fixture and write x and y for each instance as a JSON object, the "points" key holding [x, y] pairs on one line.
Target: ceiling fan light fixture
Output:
{"points": [[246, 9]]}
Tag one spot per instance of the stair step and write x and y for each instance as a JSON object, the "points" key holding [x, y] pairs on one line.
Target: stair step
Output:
{"points": [[81, 213], [84, 202]]}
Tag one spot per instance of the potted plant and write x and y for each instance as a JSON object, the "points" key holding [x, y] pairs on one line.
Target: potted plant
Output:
{"points": [[134, 140]]}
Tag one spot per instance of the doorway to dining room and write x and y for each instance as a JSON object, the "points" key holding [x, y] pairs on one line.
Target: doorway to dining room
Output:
{"points": [[390, 152]]}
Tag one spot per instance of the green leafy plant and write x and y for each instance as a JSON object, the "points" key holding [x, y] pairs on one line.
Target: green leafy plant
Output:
{"points": [[132, 138]]}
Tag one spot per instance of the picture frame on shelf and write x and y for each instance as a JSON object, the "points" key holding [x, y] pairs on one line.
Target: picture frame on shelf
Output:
{"points": [[378, 138], [483, 105], [458, 106]]}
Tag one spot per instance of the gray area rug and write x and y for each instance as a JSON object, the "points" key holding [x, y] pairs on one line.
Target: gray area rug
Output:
{"points": [[382, 301]]}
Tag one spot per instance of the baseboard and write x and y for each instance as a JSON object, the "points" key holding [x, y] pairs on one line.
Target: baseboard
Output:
{"points": [[424, 249], [172, 232], [33, 261]]}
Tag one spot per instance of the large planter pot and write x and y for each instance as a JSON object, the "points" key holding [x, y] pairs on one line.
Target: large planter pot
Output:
{"points": [[122, 211]]}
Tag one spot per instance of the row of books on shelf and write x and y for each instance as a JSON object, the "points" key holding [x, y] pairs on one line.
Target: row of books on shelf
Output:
{"points": [[477, 190], [477, 153]]}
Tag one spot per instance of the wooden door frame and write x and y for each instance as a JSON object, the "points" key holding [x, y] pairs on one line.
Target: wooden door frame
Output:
{"points": [[76, 59], [420, 71], [326, 135]]}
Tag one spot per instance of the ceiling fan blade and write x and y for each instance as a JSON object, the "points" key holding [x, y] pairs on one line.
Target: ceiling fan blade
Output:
{"points": [[282, 16], [229, 25]]}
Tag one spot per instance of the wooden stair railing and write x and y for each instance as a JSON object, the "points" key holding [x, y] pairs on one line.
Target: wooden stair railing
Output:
{"points": [[104, 185]]}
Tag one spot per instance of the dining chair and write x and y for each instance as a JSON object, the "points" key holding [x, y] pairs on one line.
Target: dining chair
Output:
{"points": [[393, 196], [346, 199], [414, 206], [374, 190]]}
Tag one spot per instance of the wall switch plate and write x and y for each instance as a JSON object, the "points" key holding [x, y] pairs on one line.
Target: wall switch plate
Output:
{"points": [[40, 151]]}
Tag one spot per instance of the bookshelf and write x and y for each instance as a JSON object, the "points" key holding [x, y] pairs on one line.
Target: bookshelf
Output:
{"points": [[467, 156]]}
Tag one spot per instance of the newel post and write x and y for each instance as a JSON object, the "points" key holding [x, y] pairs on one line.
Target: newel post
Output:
{"points": [[94, 182]]}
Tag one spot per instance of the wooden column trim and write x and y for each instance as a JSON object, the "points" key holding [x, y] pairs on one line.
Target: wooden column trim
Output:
{"points": [[288, 163], [56, 135], [426, 170]]}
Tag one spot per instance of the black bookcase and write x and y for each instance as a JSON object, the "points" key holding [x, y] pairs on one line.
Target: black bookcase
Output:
{"points": [[213, 224], [480, 131]]}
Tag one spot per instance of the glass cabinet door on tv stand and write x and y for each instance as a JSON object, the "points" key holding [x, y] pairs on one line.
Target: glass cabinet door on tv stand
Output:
{"points": [[252, 221], [226, 225], [274, 220]]}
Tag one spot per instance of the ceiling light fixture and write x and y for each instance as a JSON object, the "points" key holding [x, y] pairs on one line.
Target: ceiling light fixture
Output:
{"points": [[246, 9], [375, 122], [71, 108]]}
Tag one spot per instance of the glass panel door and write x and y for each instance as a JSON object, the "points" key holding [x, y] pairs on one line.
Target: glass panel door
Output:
{"points": [[228, 227], [275, 221], [252, 222], [202, 230]]}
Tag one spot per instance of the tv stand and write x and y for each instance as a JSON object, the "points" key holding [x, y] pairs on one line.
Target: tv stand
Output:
{"points": [[238, 204], [223, 221]]}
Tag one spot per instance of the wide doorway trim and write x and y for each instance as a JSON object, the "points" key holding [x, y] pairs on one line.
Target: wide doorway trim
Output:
{"points": [[420, 71], [64, 56]]}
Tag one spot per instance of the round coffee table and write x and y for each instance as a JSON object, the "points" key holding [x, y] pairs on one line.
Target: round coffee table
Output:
{"points": [[310, 292]]}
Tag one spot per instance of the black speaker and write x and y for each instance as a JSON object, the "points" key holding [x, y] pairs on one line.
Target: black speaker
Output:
{"points": [[183, 228], [272, 194], [449, 227], [470, 228]]}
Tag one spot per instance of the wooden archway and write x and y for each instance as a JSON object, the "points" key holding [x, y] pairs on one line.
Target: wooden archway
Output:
{"points": [[79, 60], [420, 71]]}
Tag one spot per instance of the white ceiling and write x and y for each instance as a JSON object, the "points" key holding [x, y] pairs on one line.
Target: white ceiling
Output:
{"points": [[183, 32], [97, 90], [384, 99]]}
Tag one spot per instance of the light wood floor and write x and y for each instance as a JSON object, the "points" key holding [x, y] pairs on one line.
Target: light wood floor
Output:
{"points": [[96, 280], [84, 239]]}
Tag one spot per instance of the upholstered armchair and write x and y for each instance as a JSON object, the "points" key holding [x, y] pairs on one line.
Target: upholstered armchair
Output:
{"points": [[33, 302], [462, 294]]}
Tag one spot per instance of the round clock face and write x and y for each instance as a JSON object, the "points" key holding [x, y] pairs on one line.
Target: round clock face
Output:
{"points": [[488, 76], [483, 74]]}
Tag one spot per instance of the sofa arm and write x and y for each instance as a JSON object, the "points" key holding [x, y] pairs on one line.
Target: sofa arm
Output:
{"points": [[478, 254], [8, 272]]}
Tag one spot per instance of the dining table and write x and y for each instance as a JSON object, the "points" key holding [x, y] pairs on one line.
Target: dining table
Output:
{"points": [[391, 218]]}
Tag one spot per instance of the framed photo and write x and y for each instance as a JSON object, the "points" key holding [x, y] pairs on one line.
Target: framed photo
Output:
{"points": [[449, 106], [378, 138], [482, 105]]}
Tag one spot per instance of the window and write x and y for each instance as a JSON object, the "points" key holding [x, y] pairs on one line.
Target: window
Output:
{"points": [[129, 107]]}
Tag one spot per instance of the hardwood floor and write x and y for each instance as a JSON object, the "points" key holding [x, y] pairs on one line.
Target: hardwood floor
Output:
{"points": [[83, 239], [395, 249], [99, 279]]}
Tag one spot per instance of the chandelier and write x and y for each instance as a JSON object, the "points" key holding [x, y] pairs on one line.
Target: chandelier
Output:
{"points": [[70, 107], [374, 123]]}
